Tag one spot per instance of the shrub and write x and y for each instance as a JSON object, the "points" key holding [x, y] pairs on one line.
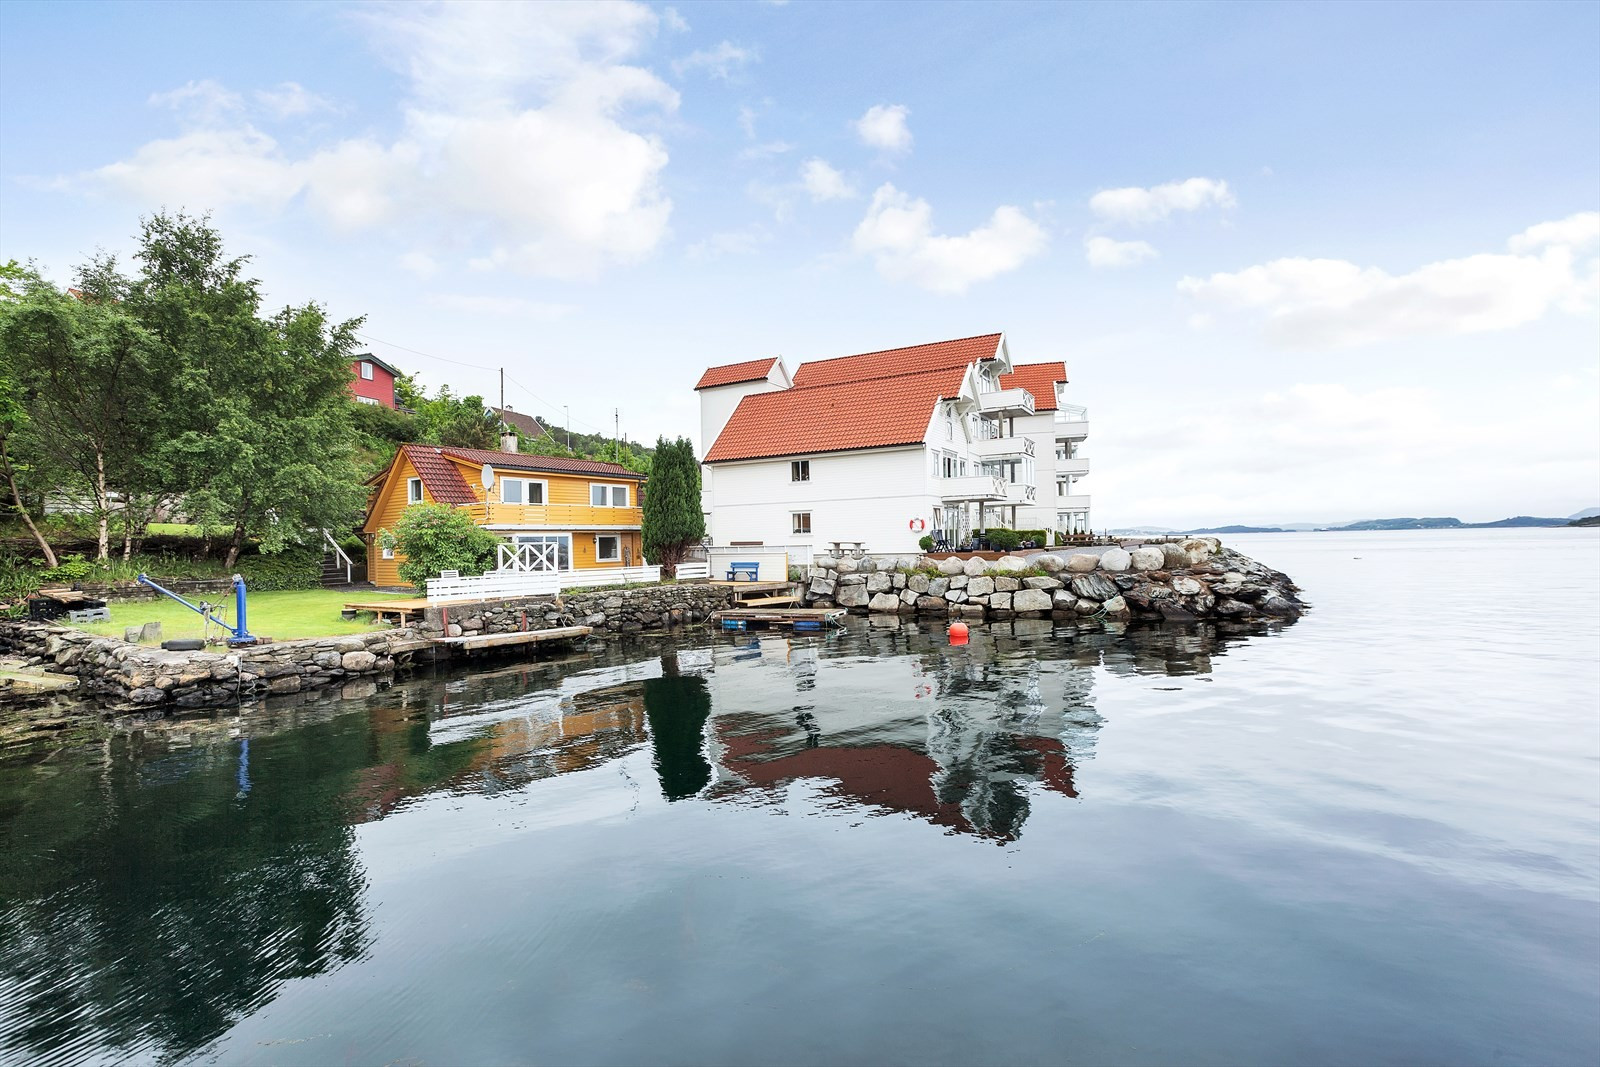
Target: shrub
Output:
{"points": [[73, 568], [926, 542], [1004, 540], [438, 537], [294, 568]]}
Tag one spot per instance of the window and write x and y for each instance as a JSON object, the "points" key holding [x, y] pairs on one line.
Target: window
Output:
{"points": [[801, 522], [521, 491], [366, 371], [388, 553], [800, 470], [550, 551], [608, 496], [366, 400], [607, 548], [413, 490]]}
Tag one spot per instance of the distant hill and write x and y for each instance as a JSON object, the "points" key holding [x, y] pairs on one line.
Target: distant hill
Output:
{"points": [[1586, 517], [1586, 513], [1587, 520], [1239, 530], [1448, 523]]}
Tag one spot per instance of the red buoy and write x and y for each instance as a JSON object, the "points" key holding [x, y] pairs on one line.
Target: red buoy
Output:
{"points": [[958, 633]]}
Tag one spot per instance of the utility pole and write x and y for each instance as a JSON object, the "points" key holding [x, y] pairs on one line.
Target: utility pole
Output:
{"points": [[616, 435], [566, 423], [502, 394]]}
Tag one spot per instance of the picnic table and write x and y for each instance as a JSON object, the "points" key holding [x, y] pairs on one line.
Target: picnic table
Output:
{"points": [[854, 548]]}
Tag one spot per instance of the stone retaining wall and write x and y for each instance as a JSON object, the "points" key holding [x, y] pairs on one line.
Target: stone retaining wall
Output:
{"points": [[114, 671], [619, 611], [1183, 582]]}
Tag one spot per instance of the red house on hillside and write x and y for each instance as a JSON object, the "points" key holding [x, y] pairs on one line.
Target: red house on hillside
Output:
{"points": [[373, 380]]}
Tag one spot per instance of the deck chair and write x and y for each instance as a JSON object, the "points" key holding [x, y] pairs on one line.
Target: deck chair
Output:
{"points": [[941, 543]]}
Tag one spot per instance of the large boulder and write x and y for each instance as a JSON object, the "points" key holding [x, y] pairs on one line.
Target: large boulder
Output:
{"points": [[1094, 587], [959, 581], [822, 587], [1041, 583], [846, 566], [917, 583], [975, 566], [1013, 563], [1186, 586], [1002, 584], [1030, 600], [938, 586], [1001, 601], [878, 583], [867, 565], [1173, 556], [980, 586], [1116, 607], [1148, 558], [1049, 562], [932, 605], [852, 596], [956, 596], [908, 597], [1199, 549], [1086, 607], [1082, 562], [884, 602], [1062, 600], [827, 563], [952, 565], [1115, 559]]}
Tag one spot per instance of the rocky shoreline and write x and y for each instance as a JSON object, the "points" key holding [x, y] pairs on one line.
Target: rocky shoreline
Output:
{"points": [[1187, 581]]}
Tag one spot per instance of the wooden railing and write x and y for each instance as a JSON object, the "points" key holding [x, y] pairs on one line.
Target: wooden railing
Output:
{"points": [[568, 516]]}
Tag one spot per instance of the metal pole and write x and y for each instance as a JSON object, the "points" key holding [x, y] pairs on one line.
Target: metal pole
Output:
{"points": [[566, 424], [502, 394], [240, 631]]}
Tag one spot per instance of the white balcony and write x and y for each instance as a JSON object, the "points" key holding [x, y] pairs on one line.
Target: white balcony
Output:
{"points": [[1002, 447], [1072, 503], [1020, 493], [976, 487], [1078, 465], [1071, 429], [1011, 402]]}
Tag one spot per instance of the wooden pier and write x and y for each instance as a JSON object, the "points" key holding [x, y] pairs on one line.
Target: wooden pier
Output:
{"points": [[471, 642], [799, 619]]}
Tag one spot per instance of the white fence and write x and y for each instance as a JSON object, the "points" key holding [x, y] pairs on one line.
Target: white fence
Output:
{"points": [[693, 570], [536, 583], [772, 561]]}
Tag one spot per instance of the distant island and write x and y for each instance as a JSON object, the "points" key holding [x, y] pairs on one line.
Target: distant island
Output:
{"points": [[1586, 517]]}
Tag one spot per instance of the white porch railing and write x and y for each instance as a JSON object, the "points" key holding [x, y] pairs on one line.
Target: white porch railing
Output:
{"points": [[339, 554], [536, 583], [693, 570]]}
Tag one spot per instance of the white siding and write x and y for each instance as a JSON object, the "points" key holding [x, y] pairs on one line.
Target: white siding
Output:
{"points": [[868, 496]]}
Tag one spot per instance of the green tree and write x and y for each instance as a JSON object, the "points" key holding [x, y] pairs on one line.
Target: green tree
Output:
{"points": [[266, 447], [447, 419], [673, 522], [439, 537]]}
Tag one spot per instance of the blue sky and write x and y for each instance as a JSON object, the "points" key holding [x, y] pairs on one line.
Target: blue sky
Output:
{"points": [[1304, 262]]}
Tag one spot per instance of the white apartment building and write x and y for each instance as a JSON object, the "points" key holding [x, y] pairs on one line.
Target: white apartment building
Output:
{"points": [[885, 447]]}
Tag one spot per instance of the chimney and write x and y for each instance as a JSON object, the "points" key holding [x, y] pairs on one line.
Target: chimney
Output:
{"points": [[508, 441]]}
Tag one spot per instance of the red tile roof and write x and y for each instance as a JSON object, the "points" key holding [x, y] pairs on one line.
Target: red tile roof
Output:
{"points": [[521, 422], [441, 478], [1039, 379], [522, 461], [938, 356], [836, 417], [734, 373]]}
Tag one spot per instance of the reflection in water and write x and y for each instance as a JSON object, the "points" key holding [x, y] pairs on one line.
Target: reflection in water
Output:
{"points": [[153, 892]]}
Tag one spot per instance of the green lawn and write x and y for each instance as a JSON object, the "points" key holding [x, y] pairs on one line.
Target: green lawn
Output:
{"points": [[283, 615]]}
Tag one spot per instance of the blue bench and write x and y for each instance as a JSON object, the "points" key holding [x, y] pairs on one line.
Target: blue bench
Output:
{"points": [[743, 572]]}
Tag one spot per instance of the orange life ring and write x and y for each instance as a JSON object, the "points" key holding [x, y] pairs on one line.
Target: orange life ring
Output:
{"points": [[917, 525]]}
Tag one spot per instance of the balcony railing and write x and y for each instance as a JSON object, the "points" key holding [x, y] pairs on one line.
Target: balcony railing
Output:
{"points": [[1003, 447], [1072, 503], [1076, 465], [1015, 401], [973, 487], [1072, 421], [1020, 493], [562, 516]]}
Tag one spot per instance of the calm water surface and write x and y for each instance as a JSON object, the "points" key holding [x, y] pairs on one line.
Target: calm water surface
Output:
{"points": [[1372, 836]]}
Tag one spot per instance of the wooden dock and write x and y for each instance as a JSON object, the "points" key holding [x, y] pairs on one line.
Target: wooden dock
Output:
{"points": [[402, 610], [779, 618], [472, 642]]}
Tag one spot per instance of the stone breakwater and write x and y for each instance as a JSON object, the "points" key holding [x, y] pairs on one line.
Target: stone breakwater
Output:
{"points": [[1183, 582], [118, 673]]}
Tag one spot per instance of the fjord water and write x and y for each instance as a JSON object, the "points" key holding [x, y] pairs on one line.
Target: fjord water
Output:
{"points": [[1371, 836]]}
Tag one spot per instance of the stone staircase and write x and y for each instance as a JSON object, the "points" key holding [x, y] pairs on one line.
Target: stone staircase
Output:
{"points": [[333, 571]]}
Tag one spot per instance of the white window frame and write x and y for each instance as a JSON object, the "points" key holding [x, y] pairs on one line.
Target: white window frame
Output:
{"points": [[794, 523], [366, 400], [388, 553], [366, 371], [598, 558], [799, 470], [414, 491], [544, 491], [609, 502]]}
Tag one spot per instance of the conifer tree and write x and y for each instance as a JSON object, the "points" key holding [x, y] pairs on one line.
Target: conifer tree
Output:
{"points": [[673, 522]]}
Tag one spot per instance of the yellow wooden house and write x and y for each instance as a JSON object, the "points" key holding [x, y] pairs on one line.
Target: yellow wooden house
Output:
{"points": [[564, 514]]}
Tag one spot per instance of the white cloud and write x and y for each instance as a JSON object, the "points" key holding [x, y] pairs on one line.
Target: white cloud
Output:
{"points": [[520, 135], [767, 151], [884, 127], [1312, 303], [290, 100], [1104, 252], [730, 243], [1136, 205], [824, 183], [420, 263], [898, 233], [722, 61], [505, 306]]}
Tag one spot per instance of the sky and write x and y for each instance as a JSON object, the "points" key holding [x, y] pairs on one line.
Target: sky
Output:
{"points": [[1304, 262]]}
